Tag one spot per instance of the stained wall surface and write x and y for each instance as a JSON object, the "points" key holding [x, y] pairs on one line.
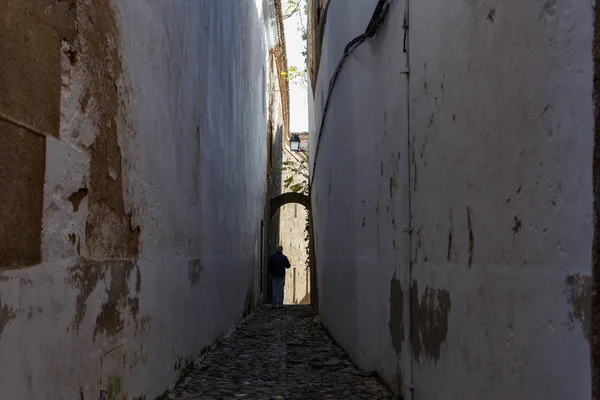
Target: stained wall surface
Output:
{"points": [[132, 188], [453, 204]]}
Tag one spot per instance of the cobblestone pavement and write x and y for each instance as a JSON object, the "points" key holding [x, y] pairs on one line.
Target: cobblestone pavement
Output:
{"points": [[279, 354]]}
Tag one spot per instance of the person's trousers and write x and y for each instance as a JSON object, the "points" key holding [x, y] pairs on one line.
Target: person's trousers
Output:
{"points": [[278, 284]]}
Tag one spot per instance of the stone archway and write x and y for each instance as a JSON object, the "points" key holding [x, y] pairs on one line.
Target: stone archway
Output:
{"points": [[290, 197]]}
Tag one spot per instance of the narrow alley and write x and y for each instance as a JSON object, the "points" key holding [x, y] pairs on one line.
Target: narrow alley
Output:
{"points": [[278, 354], [429, 169]]}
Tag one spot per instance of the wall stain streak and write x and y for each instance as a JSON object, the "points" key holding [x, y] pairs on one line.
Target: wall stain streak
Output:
{"points": [[471, 236], [430, 322], [450, 236], [195, 270], [7, 314], [25, 281], [548, 10], [414, 167], [393, 186], [114, 388], [197, 163], [138, 280], [578, 289], [449, 252], [396, 323], [86, 275], [110, 320], [517, 226]]}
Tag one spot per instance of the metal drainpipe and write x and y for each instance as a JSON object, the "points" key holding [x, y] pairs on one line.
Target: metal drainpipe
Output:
{"points": [[409, 387]]}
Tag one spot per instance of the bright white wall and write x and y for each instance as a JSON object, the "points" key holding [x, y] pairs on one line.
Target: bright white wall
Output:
{"points": [[192, 137], [499, 154]]}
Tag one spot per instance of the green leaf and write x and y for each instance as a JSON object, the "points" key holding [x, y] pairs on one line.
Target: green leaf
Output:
{"points": [[297, 187], [291, 8]]}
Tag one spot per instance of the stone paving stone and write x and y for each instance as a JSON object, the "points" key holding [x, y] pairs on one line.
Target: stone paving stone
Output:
{"points": [[279, 354]]}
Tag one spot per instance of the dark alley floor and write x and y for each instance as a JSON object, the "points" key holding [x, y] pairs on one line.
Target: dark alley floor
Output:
{"points": [[279, 354]]}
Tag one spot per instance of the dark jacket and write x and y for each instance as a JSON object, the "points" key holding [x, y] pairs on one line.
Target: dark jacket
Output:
{"points": [[278, 263]]}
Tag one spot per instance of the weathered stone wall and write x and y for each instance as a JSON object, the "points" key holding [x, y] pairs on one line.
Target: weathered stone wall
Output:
{"points": [[132, 188], [292, 233], [484, 151]]}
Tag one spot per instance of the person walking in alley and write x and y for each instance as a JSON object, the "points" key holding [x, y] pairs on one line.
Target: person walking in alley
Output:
{"points": [[277, 265]]}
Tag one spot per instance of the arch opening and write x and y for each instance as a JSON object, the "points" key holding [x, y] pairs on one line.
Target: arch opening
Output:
{"points": [[287, 198], [309, 286]]}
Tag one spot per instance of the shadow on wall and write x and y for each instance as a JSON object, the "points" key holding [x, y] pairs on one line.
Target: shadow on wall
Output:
{"points": [[275, 161], [306, 299]]}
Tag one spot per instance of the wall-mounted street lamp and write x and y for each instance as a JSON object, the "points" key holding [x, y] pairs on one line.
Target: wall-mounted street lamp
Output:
{"points": [[295, 142], [297, 145]]}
